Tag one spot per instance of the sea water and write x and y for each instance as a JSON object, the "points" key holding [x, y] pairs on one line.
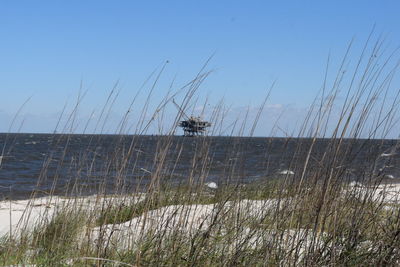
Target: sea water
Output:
{"points": [[89, 164]]}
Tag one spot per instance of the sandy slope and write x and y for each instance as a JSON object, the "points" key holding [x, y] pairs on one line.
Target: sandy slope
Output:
{"points": [[16, 216], [388, 194], [19, 215]]}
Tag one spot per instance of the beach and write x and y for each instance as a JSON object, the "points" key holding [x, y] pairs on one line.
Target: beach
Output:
{"points": [[24, 218]]}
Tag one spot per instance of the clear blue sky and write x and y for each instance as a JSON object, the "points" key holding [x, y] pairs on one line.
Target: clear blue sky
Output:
{"points": [[48, 47]]}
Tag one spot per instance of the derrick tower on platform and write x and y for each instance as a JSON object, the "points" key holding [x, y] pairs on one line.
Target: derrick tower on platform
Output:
{"points": [[191, 125]]}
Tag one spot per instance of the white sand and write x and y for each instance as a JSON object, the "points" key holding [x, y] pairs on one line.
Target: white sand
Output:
{"points": [[19, 215], [187, 219], [388, 194], [24, 213], [16, 216]]}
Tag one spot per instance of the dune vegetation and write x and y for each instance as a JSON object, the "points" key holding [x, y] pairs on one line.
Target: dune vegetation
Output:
{"points": [[313, 216]]}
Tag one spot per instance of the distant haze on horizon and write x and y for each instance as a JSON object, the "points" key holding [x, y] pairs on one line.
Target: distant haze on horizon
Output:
{"points": [[53, 52]]}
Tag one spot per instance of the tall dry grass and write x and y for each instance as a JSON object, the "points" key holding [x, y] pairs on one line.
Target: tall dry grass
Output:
{"points": [[313, 217]]}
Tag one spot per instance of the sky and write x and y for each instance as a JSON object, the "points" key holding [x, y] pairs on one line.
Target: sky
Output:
{"points": [[50, 51]]}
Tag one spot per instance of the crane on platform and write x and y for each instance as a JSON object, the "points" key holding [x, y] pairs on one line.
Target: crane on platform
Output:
{"points": [[192, 126]]}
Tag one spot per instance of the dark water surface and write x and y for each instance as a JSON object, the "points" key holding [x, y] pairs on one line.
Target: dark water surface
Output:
{"points": [[86, 164]]}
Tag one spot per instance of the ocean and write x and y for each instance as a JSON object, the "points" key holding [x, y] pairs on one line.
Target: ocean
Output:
{"points": [[88, 164]]}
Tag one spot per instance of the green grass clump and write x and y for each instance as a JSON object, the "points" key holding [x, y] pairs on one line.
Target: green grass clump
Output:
{"points": [[185, 195], [58, 240]]}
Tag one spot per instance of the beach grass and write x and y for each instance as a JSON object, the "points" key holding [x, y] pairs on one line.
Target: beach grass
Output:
{"points": [[311, 217]]}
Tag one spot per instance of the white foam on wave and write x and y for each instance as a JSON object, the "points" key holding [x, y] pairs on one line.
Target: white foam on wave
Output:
{"points": [[286, 172], [145, 170], [31, 143], [387, 154]]}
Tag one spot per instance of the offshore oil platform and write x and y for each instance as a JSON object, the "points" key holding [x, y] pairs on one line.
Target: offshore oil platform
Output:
{"points": [[192, 126]]}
